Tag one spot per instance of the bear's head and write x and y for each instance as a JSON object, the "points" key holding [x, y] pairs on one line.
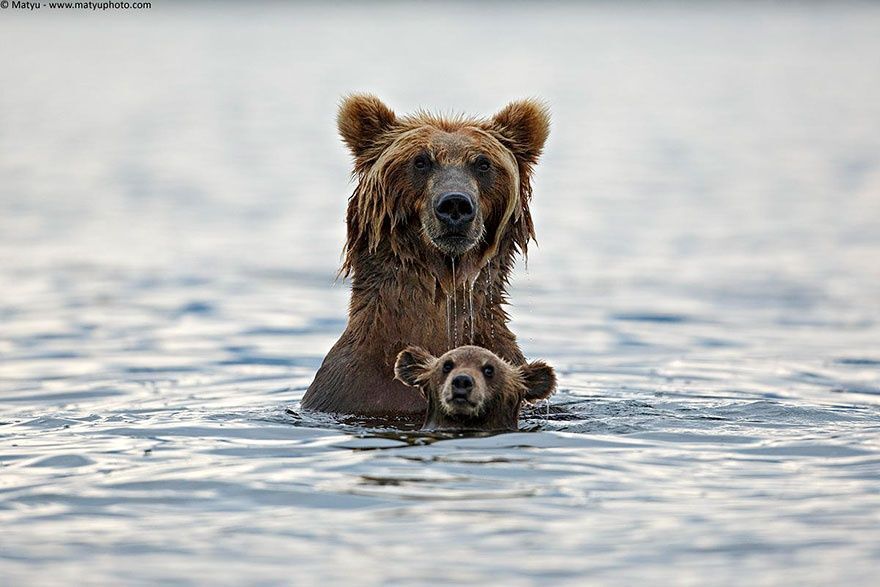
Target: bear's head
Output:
{"points": [[440, 185], [471, 388]]}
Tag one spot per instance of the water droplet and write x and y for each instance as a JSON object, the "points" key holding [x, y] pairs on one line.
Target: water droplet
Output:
{"points": [[489, 302], [470, 290], [449, 320], [454, 307]]}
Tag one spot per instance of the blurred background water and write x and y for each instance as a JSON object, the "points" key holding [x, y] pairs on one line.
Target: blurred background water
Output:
{"points": [[707, 283]]}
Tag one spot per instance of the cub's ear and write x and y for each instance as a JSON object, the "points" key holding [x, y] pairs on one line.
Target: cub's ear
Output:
{"points": [[413, 364], [524, 126], [539, 379], [361, 120]]}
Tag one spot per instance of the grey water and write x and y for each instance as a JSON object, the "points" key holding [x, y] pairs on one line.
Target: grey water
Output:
{"points": [[706, 283]]}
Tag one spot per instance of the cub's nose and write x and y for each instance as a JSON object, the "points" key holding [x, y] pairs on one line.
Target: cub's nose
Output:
{"points": [[462, 386], [455, 209], [465, 382]]}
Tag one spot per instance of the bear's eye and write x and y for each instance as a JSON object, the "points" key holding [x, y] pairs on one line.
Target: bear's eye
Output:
{"points": [[421, 162], [488, 371], [483, 164], [447, 366]]}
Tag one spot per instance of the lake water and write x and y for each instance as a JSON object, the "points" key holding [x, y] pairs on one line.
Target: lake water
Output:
{"points": [[707, 284]]}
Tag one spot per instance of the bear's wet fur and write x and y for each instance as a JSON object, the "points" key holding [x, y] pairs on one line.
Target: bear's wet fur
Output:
{"points": [[471, 388], [440, 211]]}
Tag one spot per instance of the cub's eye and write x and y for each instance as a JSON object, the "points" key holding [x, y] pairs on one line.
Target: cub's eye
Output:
{"points": [[483, 164], [447, 366], [421, 162], [488, 371]]}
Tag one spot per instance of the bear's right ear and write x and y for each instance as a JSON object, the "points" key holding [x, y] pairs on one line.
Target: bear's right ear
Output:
{"points": [[362, 119], [413, 363]]}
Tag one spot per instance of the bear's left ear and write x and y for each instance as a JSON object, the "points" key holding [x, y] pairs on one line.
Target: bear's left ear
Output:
{"points": [[539, 379], [362, 119], [524, 126], [412, 364]]}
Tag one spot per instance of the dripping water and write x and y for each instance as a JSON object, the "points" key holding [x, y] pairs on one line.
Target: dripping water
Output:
{"points": [[449, 320], [454, 307], [489, 304], [470, 292]]}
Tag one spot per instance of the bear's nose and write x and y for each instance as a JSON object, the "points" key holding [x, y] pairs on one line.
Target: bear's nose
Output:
{"points": [[462, 386], [455, 209]]}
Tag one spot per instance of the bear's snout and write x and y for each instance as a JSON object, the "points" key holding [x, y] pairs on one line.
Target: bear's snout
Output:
{"points": [[462, 385], [452, 217], [463, 394], [455, 210]]}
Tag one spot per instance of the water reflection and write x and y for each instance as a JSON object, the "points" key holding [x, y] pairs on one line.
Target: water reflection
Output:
{"points": [[706, 286]]}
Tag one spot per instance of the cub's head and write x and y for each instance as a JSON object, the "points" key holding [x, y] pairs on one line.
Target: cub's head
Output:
{"points": [[433, 184], [471, 388]]}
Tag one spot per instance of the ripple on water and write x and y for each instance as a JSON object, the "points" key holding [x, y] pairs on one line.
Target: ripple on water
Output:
{"points": [[706, 286]]}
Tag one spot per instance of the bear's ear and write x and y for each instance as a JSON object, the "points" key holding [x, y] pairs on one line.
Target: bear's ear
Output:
{"points": [[361, 120], [539, 379], [412, 364], [524, 126]]}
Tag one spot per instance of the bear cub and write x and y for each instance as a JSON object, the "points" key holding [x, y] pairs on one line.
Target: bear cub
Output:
{"points": [[471, 388]]}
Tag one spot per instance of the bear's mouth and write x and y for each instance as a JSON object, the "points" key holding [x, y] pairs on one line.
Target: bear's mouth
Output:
{"points": [[460, 406], [454, 243]]}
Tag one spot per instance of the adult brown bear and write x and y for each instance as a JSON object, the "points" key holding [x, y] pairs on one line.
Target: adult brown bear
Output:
{"points": [[440, 210]]}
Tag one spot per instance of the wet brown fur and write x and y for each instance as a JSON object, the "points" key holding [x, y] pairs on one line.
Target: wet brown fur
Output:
{"points": [[498, 398], [400, 281]]}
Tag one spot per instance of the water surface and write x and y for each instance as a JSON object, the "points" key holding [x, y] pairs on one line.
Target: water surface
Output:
{"points": [[707, 284]]}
